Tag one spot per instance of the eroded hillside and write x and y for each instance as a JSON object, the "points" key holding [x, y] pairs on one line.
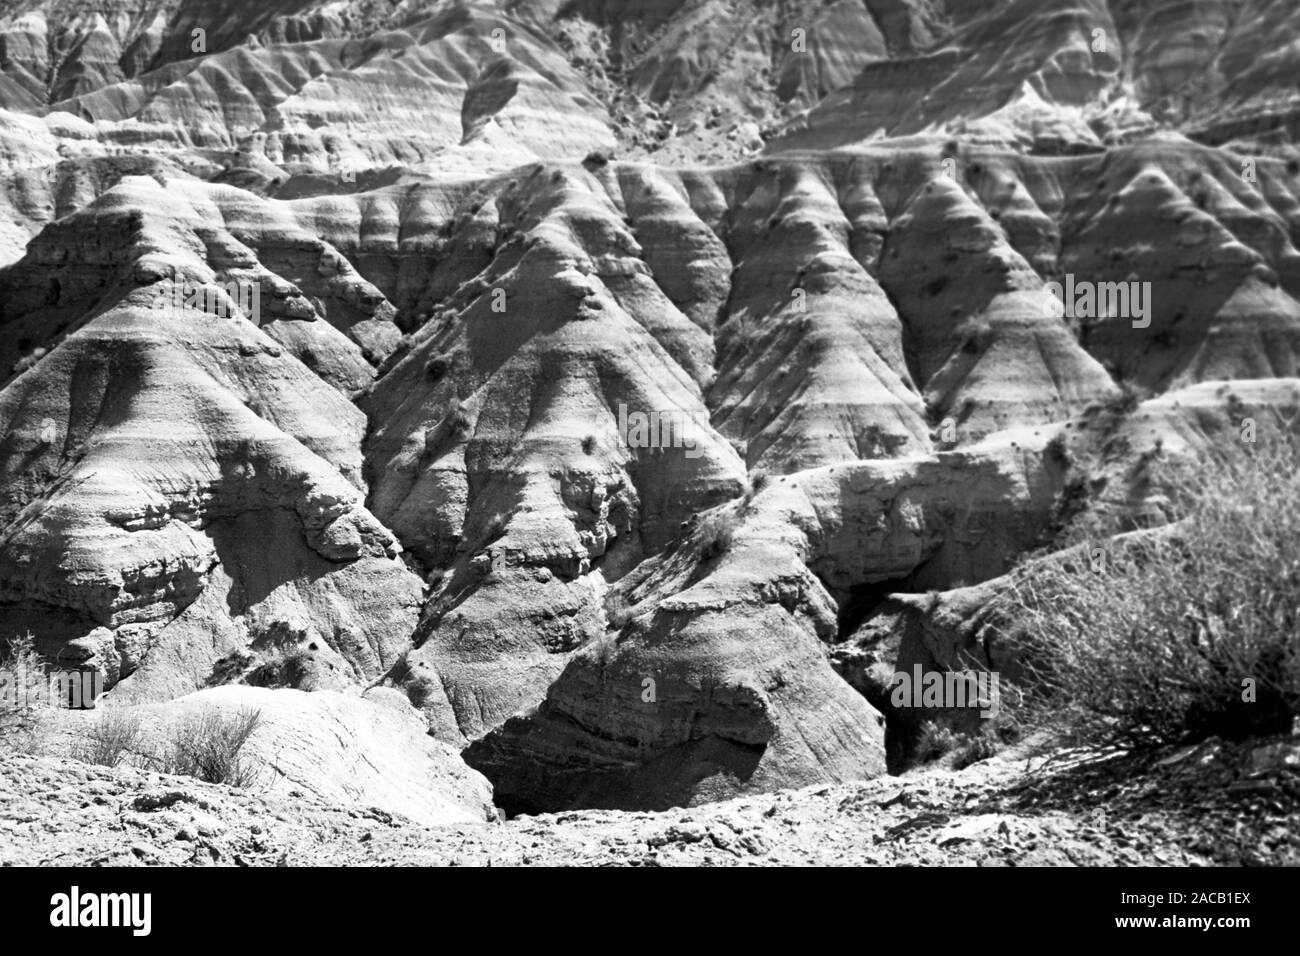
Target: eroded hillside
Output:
{"points": [[324, 324]]}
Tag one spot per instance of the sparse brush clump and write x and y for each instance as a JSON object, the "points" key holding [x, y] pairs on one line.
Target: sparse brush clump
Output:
{"points": [[1181, 633], [991, 739], [459, 420], [418, 686], [208, 745], [23, 703], [716, 534], [1058, 449], [111, 739], [936, 740], [282, 667]]}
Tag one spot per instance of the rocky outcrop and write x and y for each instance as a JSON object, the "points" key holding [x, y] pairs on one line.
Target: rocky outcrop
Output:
{"points": [[689, 706], [177, 477], [718, 684]]}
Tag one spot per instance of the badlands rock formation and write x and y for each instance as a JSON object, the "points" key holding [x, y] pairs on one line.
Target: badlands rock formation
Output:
{"points": [[325, 327]]}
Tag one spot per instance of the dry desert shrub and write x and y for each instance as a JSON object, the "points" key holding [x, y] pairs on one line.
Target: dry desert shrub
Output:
{"points": [[717, 532], [24, 702], [937, 740], [934, 741], [282, 667], [418, 685], [208, 745], [1180, 634], [111, 739]]}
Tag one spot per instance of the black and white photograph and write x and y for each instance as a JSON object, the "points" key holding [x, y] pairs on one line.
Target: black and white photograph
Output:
{"points": [[662, 433]]}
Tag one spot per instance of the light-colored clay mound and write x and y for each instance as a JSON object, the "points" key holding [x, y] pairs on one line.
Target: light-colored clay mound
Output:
{"points": [[369, 753]]}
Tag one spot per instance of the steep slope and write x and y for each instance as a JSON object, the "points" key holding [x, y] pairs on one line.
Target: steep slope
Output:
{"points": [[176, 482], [1063, 76], [717, 684], [504, 457]]}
